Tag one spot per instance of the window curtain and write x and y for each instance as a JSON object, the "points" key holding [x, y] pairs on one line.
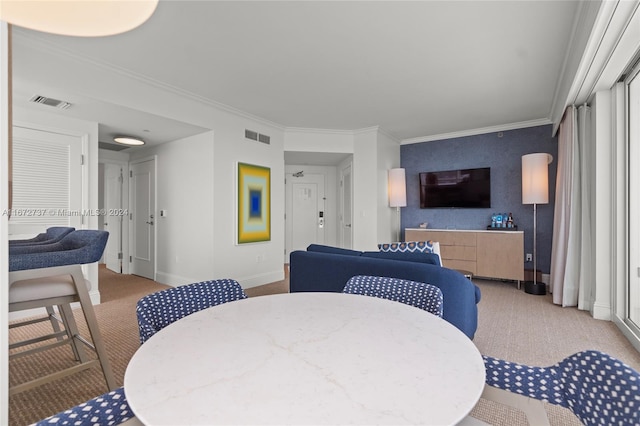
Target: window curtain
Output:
{"points": [[571, 280]]}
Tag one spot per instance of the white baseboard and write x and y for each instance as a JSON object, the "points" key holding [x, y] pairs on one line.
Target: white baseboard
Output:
{"points": [[601, 312], [245, 282], [173, 280], [261, 279]]}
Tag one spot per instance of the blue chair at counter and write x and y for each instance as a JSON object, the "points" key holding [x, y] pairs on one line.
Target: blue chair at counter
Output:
{"points": [[49, 275], [51, 235]]}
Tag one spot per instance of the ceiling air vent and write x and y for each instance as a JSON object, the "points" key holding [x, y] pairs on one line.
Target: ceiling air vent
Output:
{"points": [[255, 136], [250, 134], [50, 102]]}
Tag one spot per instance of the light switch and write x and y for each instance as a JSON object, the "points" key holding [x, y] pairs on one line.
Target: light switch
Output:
{"points": [[163, 213]]}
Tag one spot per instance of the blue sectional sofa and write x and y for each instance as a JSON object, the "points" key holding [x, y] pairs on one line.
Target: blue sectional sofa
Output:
{"points": [[324, 268]]}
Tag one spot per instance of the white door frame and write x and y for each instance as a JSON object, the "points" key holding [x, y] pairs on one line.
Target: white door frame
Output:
{"points": [[347, 165], [153, 158], [124, 164]]}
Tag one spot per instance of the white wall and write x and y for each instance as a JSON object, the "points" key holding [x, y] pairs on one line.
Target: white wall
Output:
{"points": [[184, 188], [602, 184], [388, 158], [5, 125], [315, 140], [256, 263], [366, 189], [196, 184]]}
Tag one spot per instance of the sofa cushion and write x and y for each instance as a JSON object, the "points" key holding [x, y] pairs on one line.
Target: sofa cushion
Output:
{"points": [[334, 250], [421, 257], [408, 246]]}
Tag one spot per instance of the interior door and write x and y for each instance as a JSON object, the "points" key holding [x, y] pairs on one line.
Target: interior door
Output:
{"points": [[142, 218], [346, 229], [113, 216], [305, 211]]}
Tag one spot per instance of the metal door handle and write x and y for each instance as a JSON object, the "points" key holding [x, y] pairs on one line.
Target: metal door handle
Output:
{"points": [[348, 225], [149, 223]]}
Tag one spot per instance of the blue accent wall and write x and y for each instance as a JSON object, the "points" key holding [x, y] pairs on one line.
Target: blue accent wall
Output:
{"points": [[503, 153]]}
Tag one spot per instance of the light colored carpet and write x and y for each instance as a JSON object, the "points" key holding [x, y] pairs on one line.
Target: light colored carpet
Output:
{"points": [[512, 325], [530, 329]]}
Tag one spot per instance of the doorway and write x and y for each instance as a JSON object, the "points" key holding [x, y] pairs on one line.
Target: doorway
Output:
{"points": [[305, 212], [113, 214], [346, 214], [142, 211]]}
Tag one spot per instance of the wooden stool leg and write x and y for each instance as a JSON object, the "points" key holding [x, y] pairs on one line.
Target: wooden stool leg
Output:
{"points": [[92, 324], [72, 332]]}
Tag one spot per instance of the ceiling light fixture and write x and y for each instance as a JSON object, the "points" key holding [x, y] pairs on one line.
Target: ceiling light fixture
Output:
{"points": [[128, 140], [85, 18]]}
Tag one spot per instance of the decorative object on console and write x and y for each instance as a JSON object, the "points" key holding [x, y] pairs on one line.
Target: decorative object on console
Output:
{"points": [[535, 190], [397, 193], [502, 221], [254, 203]]}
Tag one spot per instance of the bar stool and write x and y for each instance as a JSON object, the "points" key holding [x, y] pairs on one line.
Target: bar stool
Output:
{"points": [[51, 275]]}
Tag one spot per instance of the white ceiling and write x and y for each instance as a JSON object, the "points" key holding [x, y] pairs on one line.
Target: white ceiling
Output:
{"points": [[416, 68]]}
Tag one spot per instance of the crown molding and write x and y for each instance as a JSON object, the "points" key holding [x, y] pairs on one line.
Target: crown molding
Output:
{"points": [[473, 132], [354, 132], [319, 131], [45, 46]]}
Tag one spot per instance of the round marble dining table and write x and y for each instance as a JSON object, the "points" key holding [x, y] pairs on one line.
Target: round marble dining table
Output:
{"points": [[306, 358]]}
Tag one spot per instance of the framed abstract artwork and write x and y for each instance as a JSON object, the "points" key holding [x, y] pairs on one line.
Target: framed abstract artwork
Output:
{"points": [[254, 203]]}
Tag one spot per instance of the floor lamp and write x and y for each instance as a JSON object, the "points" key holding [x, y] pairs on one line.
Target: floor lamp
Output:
{"points": [[535, 190], [397, 193]]}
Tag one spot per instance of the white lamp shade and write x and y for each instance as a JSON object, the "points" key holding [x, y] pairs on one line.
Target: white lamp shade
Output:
{"points": [[535, 178], [397, 188], [85, 18]]}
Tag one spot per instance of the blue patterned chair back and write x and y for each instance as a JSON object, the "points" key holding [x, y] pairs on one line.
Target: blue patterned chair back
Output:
{"points": [[424, 296], [158, 310], [109, 409], [51, 235], [77, 248], [596, 387]]}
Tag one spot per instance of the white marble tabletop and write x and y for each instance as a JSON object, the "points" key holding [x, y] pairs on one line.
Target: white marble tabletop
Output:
{"points": [[306, 358]]}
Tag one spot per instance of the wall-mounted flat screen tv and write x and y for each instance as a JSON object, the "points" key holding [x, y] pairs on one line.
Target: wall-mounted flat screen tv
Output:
{"points": [[466, 188]]}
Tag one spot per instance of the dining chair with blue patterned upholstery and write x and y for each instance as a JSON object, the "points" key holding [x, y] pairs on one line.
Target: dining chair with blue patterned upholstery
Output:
{"points": [[109, 409], [598, 388], [157, 310], [421, 295]]}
